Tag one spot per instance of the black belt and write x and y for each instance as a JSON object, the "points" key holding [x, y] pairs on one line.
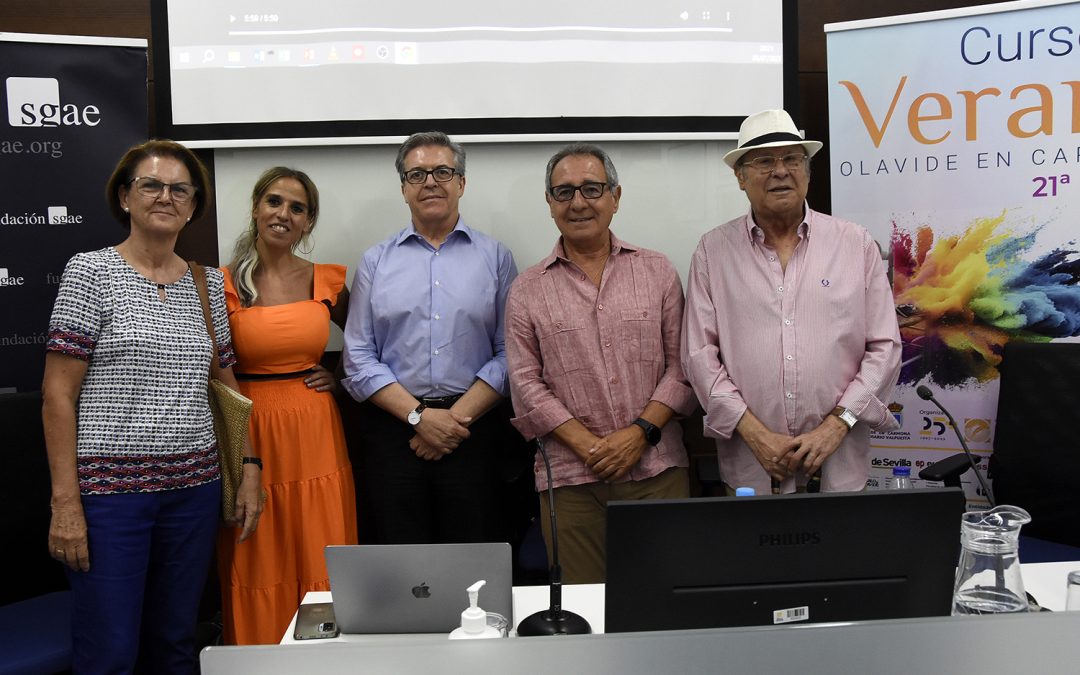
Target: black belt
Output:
{"points": [[441, 402], [247, 377]]}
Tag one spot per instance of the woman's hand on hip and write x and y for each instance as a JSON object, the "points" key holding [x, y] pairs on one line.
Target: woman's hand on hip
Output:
{"points": [[321, 379]]}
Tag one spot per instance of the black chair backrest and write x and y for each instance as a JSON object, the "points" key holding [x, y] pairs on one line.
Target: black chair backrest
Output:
{"points": [[1036, 448], [24, 501]]}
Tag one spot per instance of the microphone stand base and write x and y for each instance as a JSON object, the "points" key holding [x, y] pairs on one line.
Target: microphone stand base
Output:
{"points": [[547, 622]]}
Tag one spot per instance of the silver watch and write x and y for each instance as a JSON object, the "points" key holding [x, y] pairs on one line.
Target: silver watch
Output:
{"points": [[414, 416], [846, 416]]}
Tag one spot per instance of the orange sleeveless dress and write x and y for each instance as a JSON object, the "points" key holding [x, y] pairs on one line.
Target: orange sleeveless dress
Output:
{"points": [[311, 500]]}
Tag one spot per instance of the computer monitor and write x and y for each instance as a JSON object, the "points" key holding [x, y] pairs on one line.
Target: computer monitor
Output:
{"points": [[800, 558]]}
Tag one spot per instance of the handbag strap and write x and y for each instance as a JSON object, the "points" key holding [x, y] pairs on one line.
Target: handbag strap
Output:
{"points": [[198, 273]]}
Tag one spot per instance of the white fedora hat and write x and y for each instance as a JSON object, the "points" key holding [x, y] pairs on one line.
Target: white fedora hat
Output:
{"points": [[768, 129]]}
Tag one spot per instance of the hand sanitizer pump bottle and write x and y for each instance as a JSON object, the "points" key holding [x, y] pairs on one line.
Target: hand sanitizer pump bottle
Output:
{"points": [[474, 623]]}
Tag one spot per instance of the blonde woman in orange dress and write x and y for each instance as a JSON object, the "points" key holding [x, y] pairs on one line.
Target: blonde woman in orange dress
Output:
{"points": [[280, 307]]}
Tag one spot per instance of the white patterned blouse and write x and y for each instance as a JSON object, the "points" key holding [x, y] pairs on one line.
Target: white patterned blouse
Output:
{"points": [[143, 420]]}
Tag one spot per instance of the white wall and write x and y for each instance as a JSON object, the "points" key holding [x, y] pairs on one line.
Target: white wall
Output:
{"points": [[673, 192]]}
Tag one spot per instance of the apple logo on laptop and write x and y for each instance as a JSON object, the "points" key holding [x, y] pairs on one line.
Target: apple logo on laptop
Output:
{"points": [[421, 591]]}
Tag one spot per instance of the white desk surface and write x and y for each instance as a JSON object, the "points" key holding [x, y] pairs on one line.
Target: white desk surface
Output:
{"points": [[1044, 581], [584, 599], [1003, 644]]}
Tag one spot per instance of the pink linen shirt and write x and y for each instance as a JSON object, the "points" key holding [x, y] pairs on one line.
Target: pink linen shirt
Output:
{"points": [[598, 356], [791, 344]]}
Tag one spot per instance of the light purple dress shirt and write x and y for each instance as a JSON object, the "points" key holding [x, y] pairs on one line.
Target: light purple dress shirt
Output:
{"points": [[791, 344], [430, 319]]}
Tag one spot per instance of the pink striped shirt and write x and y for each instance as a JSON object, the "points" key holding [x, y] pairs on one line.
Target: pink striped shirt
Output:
{"points": [[599, 356], [791, 344]]}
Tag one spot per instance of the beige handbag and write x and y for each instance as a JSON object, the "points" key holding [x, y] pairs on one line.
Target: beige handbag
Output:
{"points": [[230, 409]]}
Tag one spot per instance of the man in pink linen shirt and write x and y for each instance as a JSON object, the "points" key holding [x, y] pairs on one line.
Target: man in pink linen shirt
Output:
{"points": [[592, 345], [790, 338]]}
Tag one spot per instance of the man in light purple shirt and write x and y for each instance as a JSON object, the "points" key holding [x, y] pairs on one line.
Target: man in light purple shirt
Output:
{"points": [[790, 341], [424, 351], [592, 342]]}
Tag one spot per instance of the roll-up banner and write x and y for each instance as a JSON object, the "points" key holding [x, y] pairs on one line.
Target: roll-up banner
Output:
{"points": [[70, 108], [955, 139]]}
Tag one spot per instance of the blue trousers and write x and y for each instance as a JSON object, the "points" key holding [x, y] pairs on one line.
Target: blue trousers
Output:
{"points": [[136, 609]]}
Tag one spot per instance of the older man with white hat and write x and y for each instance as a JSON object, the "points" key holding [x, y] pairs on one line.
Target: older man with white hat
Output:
{"points": [[790, 337]]}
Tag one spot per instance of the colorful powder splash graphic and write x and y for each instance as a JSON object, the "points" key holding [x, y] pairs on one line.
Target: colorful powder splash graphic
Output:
{"points": [[960, 299]]}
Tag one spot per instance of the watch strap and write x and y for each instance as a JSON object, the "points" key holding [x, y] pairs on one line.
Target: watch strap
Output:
{"points": [[845, 415], [415, 414], [652, 432]]}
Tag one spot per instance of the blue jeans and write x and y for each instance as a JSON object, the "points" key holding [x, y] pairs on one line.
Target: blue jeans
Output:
{"points": [[137, 606]]}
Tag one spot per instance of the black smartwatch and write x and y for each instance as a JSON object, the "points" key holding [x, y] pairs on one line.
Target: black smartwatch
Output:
{"points": [[652, 432], [254, 460]]}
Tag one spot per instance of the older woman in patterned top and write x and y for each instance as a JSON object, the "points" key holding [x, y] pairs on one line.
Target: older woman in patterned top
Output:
{"points": [[135, 479]]}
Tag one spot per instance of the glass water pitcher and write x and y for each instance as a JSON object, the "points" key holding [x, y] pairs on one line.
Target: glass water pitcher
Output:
{"points": [[988, 577]]}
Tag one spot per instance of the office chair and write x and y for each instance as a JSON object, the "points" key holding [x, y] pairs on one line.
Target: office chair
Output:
{"points": [[35, 635], [1036, 451], [35, 610]]}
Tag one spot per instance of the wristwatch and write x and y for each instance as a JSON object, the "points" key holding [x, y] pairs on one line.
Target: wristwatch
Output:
{"points": [[652, 432], [257, 461], [846, 416], [414, 416]]}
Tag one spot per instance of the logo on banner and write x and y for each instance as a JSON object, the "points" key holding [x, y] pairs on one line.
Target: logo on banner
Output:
{"points": [[8, 280], [21, 340], [934, 425], [897, 411], [54, 215], [58, 215], [889, 463], [977, 430], [35, 102]]}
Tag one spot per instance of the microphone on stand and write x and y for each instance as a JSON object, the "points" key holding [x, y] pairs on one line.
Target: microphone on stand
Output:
{"points": [[926, 394], [554, 620]]}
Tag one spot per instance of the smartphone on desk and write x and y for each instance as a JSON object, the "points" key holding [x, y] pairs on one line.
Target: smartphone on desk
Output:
{"points": [[315, 621]]}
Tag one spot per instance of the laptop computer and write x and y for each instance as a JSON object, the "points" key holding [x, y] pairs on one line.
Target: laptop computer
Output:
{"points": [[416, 588]]}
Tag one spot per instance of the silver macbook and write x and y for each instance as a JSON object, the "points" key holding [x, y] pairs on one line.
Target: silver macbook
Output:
{"points": [[416, 588]]}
